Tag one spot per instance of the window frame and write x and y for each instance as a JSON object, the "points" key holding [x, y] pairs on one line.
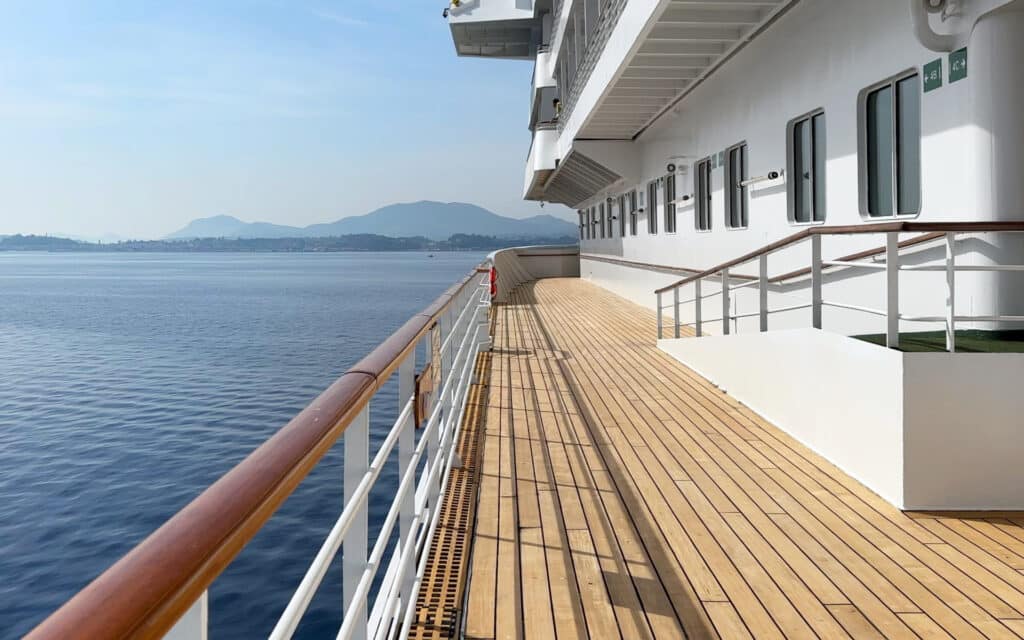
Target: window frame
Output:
{"points": [[701, 198], [891, 82], [822, 179], [744, 149], [652, 207], [601, 218], [634, 212], [621, 200], [670, 191]]}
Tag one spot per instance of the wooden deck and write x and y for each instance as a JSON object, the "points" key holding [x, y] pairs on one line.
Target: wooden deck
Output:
{"points": [[622, 495]]}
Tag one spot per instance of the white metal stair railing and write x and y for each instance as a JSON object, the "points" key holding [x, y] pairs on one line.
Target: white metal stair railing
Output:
{"points": [[891, 266], [461, 333]]}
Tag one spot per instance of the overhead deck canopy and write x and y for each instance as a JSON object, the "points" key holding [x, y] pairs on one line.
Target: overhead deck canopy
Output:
{"points": [[686, 44], [577, 178]]}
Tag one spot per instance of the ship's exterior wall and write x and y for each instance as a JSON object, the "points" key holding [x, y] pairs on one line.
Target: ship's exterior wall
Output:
{"points": [[821, 55]]}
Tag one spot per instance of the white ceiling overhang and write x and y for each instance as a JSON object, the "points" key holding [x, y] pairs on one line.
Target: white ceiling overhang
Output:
{"points": [[577, 178], [685, 44]]}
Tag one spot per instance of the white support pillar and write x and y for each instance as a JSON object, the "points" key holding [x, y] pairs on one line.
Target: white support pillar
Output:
{"points": [[354, 549], [697, 321], [195, 623], [725, 302], [892, 290], [951, 292], [675, 310], [816, 298], [762, 290]]}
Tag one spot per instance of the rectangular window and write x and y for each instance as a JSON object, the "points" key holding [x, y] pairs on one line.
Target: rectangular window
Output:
{"points": [[702, 195], [632, 212], [582, 225], [891, 148], [652, 207], [670, 203], [623, 213], [736, 192], [609, 204], [807, 168], [601, 219]]}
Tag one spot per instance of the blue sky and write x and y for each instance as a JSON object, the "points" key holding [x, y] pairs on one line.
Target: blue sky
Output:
{"points": [[133, 118]]}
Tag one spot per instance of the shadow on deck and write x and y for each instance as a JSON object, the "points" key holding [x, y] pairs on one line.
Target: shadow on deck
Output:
{"points": [[619, 494]]}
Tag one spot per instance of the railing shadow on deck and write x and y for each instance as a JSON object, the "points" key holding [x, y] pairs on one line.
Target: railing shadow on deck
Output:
{"points": [[660, 557]]}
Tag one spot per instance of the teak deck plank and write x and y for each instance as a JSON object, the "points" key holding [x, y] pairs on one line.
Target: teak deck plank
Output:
{"points": [[622, 495]]}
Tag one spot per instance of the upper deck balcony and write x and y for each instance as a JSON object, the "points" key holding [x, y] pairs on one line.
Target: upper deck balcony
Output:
{"points": [[496, 28]]}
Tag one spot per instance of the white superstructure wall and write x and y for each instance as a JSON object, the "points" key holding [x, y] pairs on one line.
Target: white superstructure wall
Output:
{"points": [[822, 54]]}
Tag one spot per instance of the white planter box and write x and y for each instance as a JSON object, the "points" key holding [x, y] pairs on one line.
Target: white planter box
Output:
{"points": [[923, 430]]}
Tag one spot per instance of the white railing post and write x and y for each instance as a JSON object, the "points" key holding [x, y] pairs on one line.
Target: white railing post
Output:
{"points": [[698, 324], [354, 549], [658, 306], [437, 336], [762, 290], [892, 290], [675, 310], [951, 292], [195, 623], [725, 302], [406, 446], [816, 298]]}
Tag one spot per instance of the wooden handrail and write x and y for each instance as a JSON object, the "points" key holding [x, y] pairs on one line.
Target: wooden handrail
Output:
{"points": [[145, 592], [854, 229]]}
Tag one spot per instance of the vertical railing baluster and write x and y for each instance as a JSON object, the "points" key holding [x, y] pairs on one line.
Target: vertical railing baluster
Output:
{"points": [[437, 336], [658, 307], [762, 291], [951, 292], [892, 290], [355, 547], [195, 623], [406, 446], [675, 311], [697, 320], [725, 302], [816, 298]]}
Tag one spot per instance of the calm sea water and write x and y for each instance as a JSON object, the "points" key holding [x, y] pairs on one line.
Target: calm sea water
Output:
{"points": [[129, 383]]}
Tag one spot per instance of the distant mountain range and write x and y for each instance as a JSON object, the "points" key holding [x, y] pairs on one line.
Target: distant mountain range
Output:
{"points": [[433, 220]]}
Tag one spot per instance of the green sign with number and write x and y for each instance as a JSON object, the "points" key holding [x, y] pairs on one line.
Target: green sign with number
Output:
{"points": [[933, 75], [957, 65]]}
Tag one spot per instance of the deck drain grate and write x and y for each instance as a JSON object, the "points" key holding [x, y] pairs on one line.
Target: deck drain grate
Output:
{"points": [[444, 581]]}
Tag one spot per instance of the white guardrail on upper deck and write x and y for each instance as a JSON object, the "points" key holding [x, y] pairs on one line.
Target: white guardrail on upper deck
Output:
{"points": [[886, 258]]}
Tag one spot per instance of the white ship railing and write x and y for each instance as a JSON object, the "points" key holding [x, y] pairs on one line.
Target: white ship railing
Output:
{"points": [[726, 279], [160, 588]]}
